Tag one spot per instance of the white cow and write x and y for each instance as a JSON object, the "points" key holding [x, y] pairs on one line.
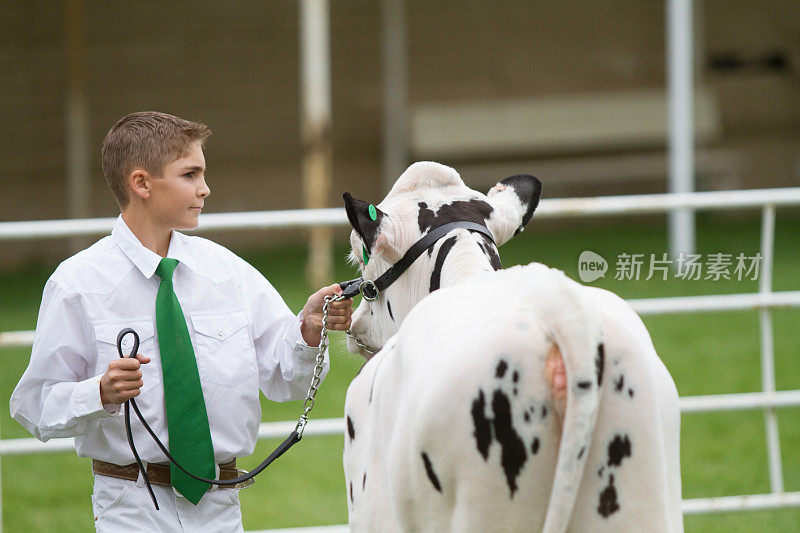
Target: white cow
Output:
{"points": [[501, 400]]}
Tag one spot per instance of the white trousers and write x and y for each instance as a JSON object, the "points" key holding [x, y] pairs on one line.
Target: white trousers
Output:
{"points": [[125, 506]]}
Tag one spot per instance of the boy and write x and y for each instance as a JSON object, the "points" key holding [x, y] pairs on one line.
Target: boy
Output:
{"points": [[213, 331]]}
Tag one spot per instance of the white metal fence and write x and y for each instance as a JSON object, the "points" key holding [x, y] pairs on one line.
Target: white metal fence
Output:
{"points": [[764, 301]]}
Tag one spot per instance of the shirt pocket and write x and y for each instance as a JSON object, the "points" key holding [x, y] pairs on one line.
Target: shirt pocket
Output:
{"points": [[106, 334], [224, 350]]}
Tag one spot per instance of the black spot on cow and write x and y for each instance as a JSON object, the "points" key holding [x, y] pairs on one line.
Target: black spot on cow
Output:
{"points": [[350, 429], [620, 383], [491, 251], [580, 453], [599, 362], [514, 454], [351, 492], [535, 446], [544, 412], [483, 427], [474, 210], [608, 499], [364, 481], [600, 472], [528, 189], [502, 366], [584, 384], [630, 393], [431, 474], [444, 249], [526, 416], [515, 376], [389, 307], [516, 391], [618, 449], [358, 215]]}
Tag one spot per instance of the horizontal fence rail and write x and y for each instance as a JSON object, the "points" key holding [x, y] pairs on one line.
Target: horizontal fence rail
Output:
{"points": [[645, 306], [551, 208], [764, 301], [267, 430]]}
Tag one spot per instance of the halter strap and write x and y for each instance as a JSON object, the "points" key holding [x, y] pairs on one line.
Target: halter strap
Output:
{"points": [[371, 289]]}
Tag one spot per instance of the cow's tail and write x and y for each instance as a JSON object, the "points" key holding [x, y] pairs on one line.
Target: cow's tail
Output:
{"points": [[571, 322]]}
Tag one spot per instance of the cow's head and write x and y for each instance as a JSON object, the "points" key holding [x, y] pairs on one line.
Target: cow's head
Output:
{"points": [[428, 195]]}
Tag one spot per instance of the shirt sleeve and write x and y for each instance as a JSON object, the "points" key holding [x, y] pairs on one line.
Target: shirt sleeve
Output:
{"points": [[285, 362], [57, 396]]}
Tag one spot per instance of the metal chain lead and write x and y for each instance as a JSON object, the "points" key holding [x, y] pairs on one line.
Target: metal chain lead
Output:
{"points": [[360, 343], [308, 403]]}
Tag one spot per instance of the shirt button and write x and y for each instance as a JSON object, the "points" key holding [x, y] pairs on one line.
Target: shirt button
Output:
{"points": [[220, 333]]}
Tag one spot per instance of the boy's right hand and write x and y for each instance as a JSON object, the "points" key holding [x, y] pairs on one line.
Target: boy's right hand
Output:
{"points": [[123, 380]]}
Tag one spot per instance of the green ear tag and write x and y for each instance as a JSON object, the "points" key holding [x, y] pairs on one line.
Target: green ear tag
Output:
{"points": [[373, 213], [364, 254]]}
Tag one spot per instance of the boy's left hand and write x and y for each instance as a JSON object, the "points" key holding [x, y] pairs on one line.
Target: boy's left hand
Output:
{"points": [[339, 314]]}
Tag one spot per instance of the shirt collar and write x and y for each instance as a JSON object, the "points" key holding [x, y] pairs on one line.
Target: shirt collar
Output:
{"points": [[142, 258], [145, 259], [179, 249]]}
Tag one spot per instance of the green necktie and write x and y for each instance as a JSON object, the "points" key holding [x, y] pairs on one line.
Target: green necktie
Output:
{"points": [[187, 420]]}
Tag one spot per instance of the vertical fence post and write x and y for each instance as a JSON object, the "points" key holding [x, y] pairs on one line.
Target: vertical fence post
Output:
{"points": [[76, 118], [315, 86], [395, 91], [767, 349], [680, 83]]}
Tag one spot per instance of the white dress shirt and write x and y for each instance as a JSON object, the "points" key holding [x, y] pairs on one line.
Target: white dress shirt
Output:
{"points": [[244, 338]]}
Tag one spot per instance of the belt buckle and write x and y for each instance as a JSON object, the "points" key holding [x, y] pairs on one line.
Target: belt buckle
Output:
{"points": [[243, 484]]}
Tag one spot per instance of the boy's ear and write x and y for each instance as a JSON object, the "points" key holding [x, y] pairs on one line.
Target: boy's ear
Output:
{"points": [[514, 200], [139, 184], [365, 218]]}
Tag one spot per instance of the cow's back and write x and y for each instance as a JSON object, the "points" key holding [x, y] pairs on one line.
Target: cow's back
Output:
{"points": [[453, 427]]}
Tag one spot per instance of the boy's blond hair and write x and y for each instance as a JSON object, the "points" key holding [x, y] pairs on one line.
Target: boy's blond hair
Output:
{"points": [[148, 140]]}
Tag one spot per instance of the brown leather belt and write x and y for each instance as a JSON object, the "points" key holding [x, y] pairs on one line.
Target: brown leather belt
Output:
{"points": [[159, 474]]}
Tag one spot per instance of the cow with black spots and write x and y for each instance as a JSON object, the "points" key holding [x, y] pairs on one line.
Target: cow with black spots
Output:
{"points": [[496, 399]]}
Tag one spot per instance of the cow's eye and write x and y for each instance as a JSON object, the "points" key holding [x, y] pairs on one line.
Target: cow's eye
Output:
{"points": [[364, 254]]}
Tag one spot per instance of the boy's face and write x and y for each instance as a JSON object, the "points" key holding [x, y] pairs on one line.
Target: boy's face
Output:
{"points": [[177, 198]]}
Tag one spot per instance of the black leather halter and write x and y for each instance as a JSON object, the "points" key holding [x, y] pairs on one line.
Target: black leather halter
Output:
{"points": [[370, 290]]}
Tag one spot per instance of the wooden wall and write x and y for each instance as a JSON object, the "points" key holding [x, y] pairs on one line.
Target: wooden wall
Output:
{"points": [[234, 66]]}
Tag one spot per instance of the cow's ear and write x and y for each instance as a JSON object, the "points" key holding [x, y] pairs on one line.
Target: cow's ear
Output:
{"points": [[365, 218], [514, 200]]}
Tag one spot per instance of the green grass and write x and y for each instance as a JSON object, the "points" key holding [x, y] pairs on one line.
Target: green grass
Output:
{"points": [[722, 453]]}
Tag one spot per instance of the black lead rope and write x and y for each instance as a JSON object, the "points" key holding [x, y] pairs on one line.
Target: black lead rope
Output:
{"points": [[293, 438]]}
